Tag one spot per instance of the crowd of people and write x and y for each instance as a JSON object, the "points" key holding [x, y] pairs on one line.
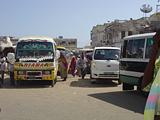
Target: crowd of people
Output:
{"points": [[77, 66]]}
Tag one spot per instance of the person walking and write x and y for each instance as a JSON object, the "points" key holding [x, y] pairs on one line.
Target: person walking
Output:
{"points": [[82, 65], [63, 67], [3, 69], [11, 73], [72, 66], [152, 76]]}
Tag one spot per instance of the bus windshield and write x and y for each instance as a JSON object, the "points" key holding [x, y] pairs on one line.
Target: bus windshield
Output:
{"points": [[34, 49], [106, 54]]}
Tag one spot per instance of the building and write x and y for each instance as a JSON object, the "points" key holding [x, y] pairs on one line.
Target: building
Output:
{"points": [[111, 34], [98, 35], [69, 43]]}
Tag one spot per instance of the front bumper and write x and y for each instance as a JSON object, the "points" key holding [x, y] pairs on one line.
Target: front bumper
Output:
{"points": [[105, 75], [34, 75]]}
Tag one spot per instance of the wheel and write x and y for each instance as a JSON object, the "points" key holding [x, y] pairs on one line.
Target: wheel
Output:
{"points": [[55, 80], [126, 86], [64, 79], [53, 83], [15, 83], [119, 82]]}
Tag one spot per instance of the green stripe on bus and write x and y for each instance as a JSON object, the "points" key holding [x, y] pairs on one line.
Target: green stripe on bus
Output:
{"points": [[129, 79]]}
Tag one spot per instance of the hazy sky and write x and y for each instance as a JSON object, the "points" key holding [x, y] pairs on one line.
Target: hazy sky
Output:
{"points": [[67, 18]]}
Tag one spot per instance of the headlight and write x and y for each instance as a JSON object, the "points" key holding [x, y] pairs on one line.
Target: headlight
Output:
{"points": [[47, 72], [21, 72]]}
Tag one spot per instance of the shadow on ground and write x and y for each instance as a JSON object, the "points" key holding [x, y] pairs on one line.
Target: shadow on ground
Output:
{"points": [[130, 100], [87, 83], [23, 85]]}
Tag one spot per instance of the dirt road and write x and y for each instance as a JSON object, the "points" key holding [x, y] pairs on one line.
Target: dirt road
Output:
{"points": [[74, 99]]}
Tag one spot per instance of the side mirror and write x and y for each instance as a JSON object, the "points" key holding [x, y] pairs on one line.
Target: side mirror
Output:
{"points": [[57, 54], [11, 58]]}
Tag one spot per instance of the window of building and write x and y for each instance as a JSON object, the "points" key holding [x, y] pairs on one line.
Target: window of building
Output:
{"points": [[122, 34], [130, 33]]}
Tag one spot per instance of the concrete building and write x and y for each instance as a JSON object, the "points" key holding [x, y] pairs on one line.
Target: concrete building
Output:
{"points": [[69, 43], [98, 35], [111, 34]]}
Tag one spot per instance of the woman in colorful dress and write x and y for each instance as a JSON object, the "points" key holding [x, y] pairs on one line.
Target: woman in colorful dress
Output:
{"points": [[72, 67], [63, 67], [152, 108]]}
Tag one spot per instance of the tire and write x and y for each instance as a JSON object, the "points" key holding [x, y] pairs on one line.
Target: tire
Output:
{"points": [[126, 86], [139, 86], [64, 79], [16, 83], [53, 83]]}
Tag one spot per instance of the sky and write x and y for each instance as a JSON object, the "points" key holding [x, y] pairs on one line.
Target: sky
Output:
{"points": [[67, 18]]}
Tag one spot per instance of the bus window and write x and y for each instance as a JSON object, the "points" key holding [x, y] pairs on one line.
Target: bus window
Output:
{"points": [[148, 47], [135, 48]]}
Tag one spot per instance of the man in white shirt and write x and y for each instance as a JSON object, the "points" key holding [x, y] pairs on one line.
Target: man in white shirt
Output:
{"points": [[82, 64]]}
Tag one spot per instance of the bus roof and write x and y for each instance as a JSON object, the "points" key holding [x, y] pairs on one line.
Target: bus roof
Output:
{"points": [[86, 49], [140, 35], [38, 38], [107, 48], [61, 47]]}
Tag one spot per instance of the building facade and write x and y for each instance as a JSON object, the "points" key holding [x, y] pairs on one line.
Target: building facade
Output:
{"points": [[111, 34], [69, 43]]}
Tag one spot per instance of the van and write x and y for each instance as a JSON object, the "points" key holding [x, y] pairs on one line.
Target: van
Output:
{"points": [[105, 63], [36, 59], [135, 54]]}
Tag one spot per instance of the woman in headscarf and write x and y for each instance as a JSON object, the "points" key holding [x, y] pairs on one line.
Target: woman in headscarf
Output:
{"points": [[152, 74], [72, 67], [63, 66]]}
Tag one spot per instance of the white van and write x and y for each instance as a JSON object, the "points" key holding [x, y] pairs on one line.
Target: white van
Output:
{"points": [[105, 63]]}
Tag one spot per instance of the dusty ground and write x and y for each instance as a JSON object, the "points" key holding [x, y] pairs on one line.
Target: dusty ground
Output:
{"points": [[74, 99]]}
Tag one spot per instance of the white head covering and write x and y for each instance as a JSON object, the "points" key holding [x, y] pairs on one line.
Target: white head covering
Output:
{"points": [[11, 58], [3, 59]]}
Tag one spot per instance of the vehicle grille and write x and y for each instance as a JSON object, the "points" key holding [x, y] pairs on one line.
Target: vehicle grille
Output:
{"points": [[108, 75], [34, 75]]}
